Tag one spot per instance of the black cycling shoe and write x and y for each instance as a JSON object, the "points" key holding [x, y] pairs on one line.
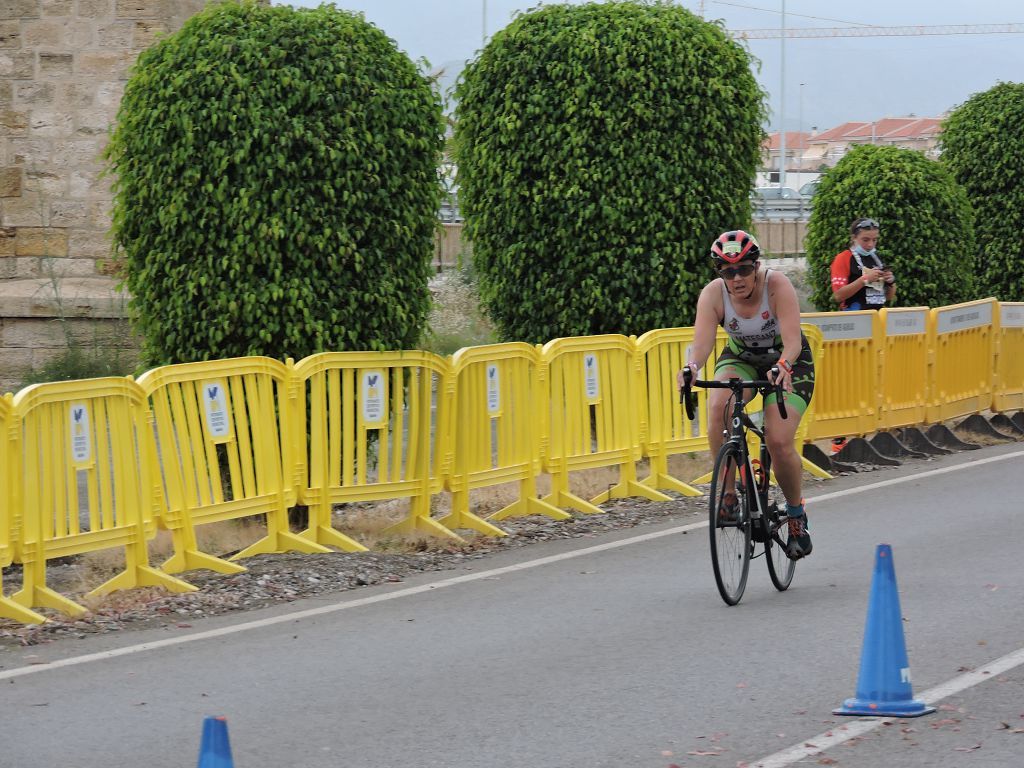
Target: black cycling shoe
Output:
{"points": [[799, 544]]}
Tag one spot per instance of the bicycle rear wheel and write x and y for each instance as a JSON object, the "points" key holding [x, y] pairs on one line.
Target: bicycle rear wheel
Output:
{"points": [[729, 537], [780, 567]]}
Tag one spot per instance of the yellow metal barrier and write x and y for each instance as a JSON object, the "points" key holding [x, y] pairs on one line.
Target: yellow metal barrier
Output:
{"points": [[1008, 386], [962, 340], [9, 444], [495, 435], [904, 367], [376, 430], [594, 411], [847, 382], [84, 484], [223, 431], [664, 428]]}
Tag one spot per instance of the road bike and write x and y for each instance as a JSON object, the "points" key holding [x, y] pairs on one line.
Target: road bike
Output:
{"points": [[736, 531]]}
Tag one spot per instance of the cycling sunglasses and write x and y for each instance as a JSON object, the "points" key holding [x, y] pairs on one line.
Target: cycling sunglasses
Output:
{"points": [[866, 224], [743, 270]]}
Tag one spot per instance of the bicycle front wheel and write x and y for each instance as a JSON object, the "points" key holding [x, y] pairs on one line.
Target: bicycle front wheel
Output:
{"points": [[729, 528], [780, 567]]}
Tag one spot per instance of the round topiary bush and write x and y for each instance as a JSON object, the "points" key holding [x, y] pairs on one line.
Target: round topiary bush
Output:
{"points": [[600, 150], [982, 144], [927, 230], [276, 186]]}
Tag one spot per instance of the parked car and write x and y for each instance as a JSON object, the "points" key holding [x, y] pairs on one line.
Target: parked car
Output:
{"points": [[774, 193]]}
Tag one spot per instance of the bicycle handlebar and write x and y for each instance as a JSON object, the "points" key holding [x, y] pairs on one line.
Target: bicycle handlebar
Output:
{"points": [[687, 398]]}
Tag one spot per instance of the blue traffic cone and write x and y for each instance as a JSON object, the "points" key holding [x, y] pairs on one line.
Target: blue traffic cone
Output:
{"points": [[883, 686], [215, 749]]}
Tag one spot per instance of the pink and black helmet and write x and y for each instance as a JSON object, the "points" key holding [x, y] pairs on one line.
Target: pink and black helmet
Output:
{"points": [[733, 247]]}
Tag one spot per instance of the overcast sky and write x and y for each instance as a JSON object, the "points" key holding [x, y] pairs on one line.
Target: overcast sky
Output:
{"points": [[843, 78]]}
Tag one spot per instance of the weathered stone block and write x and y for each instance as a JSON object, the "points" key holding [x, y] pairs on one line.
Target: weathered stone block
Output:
{"points": [[75, 95], [10, 182], [116, 34], [78, 34], [147, 33], [136, 9], [19, 9], [25, 211], [7, 238], [91, 122], [77, 153], [31, 152], [50, 123], [43, 32], [10, 34], [50, 184], [56, 64], [13, 123], [100, 214], [6, 94], [89, 244], [95, 9], [33, 93], [57, 7], [86, 183], [109, 94], [112, 65], [39, 241], [18, 65], [69, 213]]}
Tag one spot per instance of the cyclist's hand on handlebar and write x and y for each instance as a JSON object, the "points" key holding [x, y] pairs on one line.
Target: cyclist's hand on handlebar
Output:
{"points": [[689, 370], [780, 377]]}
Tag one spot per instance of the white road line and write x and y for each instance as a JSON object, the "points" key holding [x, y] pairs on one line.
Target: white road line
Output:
{"points": [[444, 583], [824, 741]]}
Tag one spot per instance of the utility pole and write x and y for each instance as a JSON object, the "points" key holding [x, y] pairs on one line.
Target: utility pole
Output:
{"points": [[782, 102]]}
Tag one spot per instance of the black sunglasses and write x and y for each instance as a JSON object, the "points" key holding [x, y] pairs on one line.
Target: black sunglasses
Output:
{"points": [[865, 224], [743, 270]]}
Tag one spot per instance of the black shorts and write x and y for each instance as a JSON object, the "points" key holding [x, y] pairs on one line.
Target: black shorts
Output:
{"points": [[803, 373]]}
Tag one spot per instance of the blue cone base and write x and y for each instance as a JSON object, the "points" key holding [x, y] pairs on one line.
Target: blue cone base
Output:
{"points": [[862, 708]]}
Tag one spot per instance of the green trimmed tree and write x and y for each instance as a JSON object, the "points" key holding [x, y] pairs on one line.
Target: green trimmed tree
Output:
{"points": [[982, 144], [601, 148], [276, 186], [927, 225]]}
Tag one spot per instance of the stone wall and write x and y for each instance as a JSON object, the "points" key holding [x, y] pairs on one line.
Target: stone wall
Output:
{"points": [[63, 67]]}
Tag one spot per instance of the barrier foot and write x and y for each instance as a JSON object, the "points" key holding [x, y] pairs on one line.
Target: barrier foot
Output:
{"points": [[857, 449], [44, 597], [142, 576], [942, 436], [914, 437], [890, 446], [661, 481], [327, 536], [469, 521], [628, 488], [1018, 419], [813, 463], [282, 541], [571, 500], [11, 610], [976, 424], [530, 505], [423, 524], [194, 560], [1006, 425], [702, 480]]}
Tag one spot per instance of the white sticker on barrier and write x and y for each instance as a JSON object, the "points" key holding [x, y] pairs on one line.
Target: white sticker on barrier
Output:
{"points": [[493, 390], [591, 380], [215, 403], [81, 434], [1011, 315], [843, 326], [374, 390], [906, 321], [963, 318]]}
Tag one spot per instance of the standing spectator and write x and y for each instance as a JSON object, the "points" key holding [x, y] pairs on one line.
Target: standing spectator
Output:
{"points": [[860, 280]]}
